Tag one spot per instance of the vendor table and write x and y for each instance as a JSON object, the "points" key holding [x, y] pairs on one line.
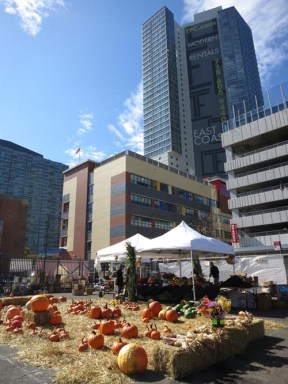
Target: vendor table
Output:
{"points": [[174, 293]]}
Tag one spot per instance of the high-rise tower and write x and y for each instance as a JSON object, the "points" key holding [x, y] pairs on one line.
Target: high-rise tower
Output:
{"points": [[194, 78], [27, 175]]}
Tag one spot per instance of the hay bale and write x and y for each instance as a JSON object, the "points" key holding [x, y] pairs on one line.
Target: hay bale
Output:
{"points": [[180, 362], [18, 300], [15, 300], [40, 318]]}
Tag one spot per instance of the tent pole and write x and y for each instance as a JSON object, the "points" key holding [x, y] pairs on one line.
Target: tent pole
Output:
{"points": [[193, 280]]}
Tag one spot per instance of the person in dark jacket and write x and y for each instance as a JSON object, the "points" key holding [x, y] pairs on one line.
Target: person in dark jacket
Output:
{"points": [[214, 272], [119, 278]]}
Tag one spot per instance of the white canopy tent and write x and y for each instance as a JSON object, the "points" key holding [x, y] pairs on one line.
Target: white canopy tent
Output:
{"points": [[180, 241], [118, 251]]}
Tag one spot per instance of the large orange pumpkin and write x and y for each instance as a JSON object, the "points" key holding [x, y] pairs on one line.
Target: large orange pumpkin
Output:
{"points": [[107, 327], [132, 359], [129, 331], [155, 306], [39, 303], [95, 312], [172, 315]]}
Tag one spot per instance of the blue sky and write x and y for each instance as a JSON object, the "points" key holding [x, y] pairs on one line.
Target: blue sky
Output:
{"points": [[70, 70]]}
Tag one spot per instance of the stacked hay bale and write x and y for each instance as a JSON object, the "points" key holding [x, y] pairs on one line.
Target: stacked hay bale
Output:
{"points": [[205, 349]]}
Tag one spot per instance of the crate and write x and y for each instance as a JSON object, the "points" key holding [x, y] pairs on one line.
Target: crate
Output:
{"points": [[78, 292], [264, 301], [267, 283]]}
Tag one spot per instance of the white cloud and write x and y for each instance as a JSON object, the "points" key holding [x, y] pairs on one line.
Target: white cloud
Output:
{"points": [[268, 21], [90, 152], [86, 121], [31, 12], [129, 130]]}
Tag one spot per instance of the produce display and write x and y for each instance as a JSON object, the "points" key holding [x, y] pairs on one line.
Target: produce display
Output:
{"points": [[118, 340]]}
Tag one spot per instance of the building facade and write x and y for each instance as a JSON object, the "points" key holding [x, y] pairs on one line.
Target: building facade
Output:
{"points": [[194, 78], [107, 202], [27, 175], [256, 148]]}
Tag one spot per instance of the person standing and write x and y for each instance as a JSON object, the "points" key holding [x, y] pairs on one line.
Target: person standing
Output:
{"points": [[214, 272], [119, 278]]}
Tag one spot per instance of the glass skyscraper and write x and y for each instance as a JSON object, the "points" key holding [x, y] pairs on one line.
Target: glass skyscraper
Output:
{"points": [[194, 78], [25, 174]]}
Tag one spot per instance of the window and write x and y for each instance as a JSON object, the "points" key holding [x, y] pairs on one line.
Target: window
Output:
{"points": [[141, 181], [66, 207], [161, 224], [64, 241], [141, 200], [65, 224], [141, 221]]}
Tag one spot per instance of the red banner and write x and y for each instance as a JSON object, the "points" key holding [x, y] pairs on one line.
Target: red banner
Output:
{"points": [[234, 233]]}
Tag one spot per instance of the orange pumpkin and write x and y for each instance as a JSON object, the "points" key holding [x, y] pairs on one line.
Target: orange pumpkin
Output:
{"points": [[117, 346], [53, 300], [129, 331], [116, 312], [83, 346], [106, 312], [39, 303], [147, 313], [96, 340], [95, 312], [156, 307], [171, 315], [56, 319], [132, 359], [155, 334], [13, 311], [107, 327]]}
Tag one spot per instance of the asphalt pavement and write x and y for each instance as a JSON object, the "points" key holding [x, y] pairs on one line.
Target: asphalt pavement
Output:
{"points": [[263, 362]]}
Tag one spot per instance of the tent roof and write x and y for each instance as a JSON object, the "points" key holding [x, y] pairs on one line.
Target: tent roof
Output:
{"points": [[119, 249], [183, 239]]}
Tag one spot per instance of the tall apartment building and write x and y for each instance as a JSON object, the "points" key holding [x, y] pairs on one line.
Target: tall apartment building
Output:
{"points": [[26, 175], [256, 148], [195, 77], [107, 202]]}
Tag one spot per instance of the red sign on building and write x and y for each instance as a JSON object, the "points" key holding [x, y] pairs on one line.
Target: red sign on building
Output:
{"points": [[234, 233]]}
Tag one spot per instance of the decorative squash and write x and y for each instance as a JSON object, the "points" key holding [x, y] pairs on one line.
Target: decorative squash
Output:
{"points": [[172, 315], [117, 346], [39, 303], [132, 359], [162, 314], [129, 331], [107, 327], [156, 307], [96, 340]]}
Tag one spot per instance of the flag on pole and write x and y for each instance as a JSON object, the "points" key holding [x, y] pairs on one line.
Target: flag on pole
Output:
{"points": [[78, 150]]}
